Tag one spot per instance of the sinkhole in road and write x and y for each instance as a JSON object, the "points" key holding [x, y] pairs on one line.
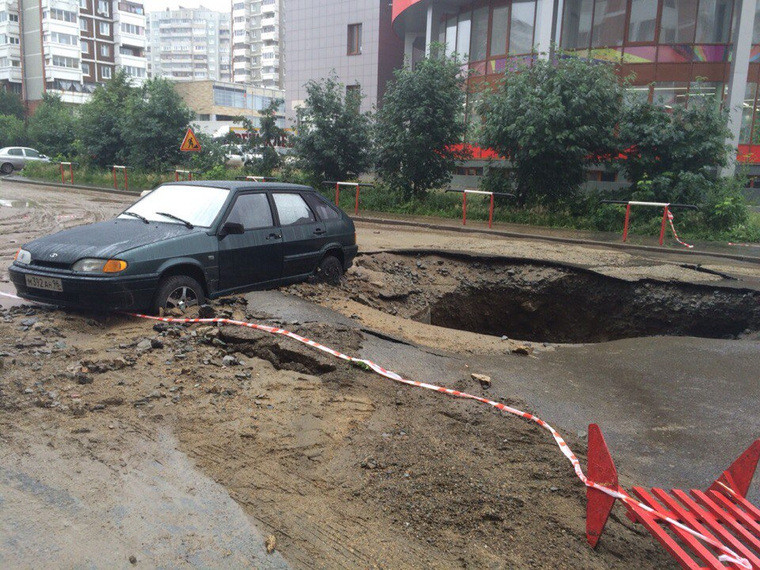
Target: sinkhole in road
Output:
{"points": [[539, 302]]}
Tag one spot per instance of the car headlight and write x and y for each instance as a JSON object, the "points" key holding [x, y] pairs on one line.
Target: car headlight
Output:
{"points": [[23, 256], [94, 265]]}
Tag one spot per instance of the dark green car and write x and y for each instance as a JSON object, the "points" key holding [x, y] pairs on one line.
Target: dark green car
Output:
{"points": [[186, 242]]}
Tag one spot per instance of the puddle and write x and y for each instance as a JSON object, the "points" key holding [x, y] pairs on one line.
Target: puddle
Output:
{"points": [[18, 204]]}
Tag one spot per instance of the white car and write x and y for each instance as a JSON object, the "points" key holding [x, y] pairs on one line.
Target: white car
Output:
{"points": [[15, 158]]}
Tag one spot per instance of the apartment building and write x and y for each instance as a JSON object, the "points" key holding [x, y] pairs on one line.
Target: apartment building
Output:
{"points": [[189, 44], [257, 43], [68, 47]]}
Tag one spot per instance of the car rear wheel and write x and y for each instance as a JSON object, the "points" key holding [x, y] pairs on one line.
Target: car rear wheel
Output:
{"points": [[178, 292], [6, 168], [330, 270]]}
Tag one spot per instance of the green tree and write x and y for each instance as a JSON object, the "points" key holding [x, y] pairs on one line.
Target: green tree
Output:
{"points": [[674, 154], [102, 121], [262, 140], [51, 128], [420, 124], [154, 126], [211, 156], [333, 140], [11, 131], [11, 104], [552, 120]]}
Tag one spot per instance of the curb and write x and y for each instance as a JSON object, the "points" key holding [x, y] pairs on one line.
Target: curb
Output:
{"points": [[555, 239], [443, 227]]}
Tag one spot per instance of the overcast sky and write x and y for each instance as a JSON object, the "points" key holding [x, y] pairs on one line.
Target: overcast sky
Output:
{"points": [[155, 5]]}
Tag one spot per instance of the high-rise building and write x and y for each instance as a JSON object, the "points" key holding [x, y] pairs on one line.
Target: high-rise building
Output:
{"points": [[352, 39], [69, 46], [257, 43], [189, 44]]}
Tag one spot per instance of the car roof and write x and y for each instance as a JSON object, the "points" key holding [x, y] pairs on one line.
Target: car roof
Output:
{"points": [[239, 185]]}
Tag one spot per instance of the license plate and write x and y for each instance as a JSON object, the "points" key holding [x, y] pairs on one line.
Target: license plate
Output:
{"points": [[46, 283]]}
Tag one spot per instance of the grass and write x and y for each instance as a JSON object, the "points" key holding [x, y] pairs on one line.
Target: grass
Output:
{"points": [[587, 215]]}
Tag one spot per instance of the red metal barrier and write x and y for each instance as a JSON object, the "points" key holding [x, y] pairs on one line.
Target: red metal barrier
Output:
{"points": [[186, 175], [116, 167], [722, 514], [71, 172], [485, 193], [666, 215], [356, 185]]}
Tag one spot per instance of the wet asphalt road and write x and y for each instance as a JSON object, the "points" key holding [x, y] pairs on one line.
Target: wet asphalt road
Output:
{"points": [[676, 411]]}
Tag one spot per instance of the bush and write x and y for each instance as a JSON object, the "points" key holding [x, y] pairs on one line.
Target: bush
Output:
{"points": [[11, 130], [725, 206]]}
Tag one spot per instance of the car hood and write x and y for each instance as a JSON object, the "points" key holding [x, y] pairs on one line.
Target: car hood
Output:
{"points": [[103, 240]]}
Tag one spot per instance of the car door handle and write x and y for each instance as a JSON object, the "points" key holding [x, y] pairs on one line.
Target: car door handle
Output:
{"points": [[274, 236], [319, 231]]}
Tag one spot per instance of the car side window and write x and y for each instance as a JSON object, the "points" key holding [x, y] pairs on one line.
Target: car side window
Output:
{"points": [[292, 209], [15, 152], [30, 152], [324, 210], [253, 211]]}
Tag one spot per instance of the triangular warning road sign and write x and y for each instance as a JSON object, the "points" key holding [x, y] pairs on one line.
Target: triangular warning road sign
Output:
{"points": [[190, 143]]}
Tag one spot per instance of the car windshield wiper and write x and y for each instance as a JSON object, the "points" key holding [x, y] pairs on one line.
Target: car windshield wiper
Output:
{"points": [[136, 215], [173, 217]]}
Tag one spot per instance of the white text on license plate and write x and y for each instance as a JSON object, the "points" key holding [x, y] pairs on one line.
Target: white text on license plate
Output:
{"points": [[46, 283]]}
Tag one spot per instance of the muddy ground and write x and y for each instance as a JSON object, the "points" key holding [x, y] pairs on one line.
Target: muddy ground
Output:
{"points": [[343, 468]]}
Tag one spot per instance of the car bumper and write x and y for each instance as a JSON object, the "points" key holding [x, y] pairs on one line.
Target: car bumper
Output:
{"points": [[349, 253], [100, 293]]}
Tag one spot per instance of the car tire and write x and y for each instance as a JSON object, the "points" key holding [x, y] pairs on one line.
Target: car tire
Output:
{"points": [[6, 168], [330, 270], [178, 292]]}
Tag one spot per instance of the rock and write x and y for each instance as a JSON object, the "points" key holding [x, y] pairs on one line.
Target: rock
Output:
{"points": [[270, 544], [485, 381], [83, 378], [206, 312], [369, 463], [29, 322], [523, 349], [133, 559], [160, 327], [156, 343], [230, 360], [144, 344]]}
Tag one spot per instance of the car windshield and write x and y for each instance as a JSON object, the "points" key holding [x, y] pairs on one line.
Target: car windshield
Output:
{"points": [[198, 205]]}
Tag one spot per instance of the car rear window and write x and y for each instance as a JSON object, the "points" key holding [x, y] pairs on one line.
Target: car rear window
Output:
{"points": [[324, 210], [292, 209], [253, 211]]}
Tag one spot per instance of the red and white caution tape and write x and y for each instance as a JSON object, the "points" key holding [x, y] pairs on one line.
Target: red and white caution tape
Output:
{"points": [[729, 555], [675, 234]]}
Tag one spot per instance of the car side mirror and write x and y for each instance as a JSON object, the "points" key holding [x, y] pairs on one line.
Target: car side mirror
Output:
{"points": [[231, 228]]}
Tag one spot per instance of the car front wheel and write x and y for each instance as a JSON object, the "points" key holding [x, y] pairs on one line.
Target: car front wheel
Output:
{"points": [[6, 168], [179, 293]]}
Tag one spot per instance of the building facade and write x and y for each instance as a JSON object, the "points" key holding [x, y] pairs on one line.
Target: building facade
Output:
{"points": [[673, 51], [353, 39], [68, 47], [257, 43], [189, 45], [217, 105]]}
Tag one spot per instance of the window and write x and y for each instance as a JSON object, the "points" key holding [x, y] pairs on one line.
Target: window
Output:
{"points": [[63, 15], [253, 211], [104, 28], [64, 39], [479, 34], [499, 24], [83, 4], [354, 39], [85, 69], [105, 50], [15, 152], [104, 7], [85, 47], [679, 18], [463, 35], [84, 25], [609, 23], [105, 72], [576, 26], [521, 27], [324, 210], [31, 153], [643, 21], [714, 21], [292, 209]]}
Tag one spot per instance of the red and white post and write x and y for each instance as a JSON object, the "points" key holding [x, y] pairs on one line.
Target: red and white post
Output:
{"points": [[667, 217], [71, 172], [126, 178], [490, 207]]}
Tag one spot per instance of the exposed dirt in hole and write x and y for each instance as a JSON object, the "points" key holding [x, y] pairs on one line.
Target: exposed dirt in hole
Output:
{"points": [[543, 302], [346, 469]]}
